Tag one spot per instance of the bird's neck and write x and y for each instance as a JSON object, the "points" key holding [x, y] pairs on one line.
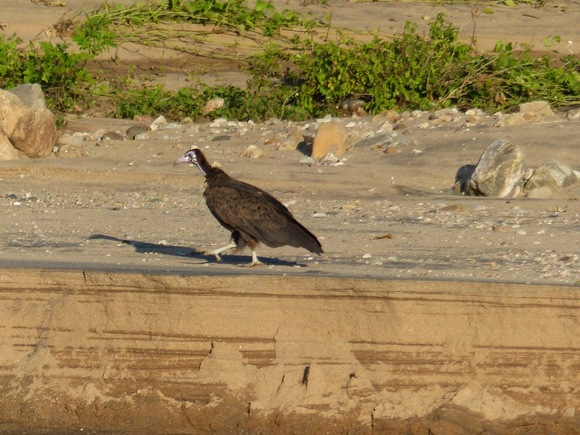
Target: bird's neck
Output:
{"points": [[204, 167], [215, 175]]}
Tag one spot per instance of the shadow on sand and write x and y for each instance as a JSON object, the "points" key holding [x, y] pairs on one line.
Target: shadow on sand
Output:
{"points": [[182, 251]]}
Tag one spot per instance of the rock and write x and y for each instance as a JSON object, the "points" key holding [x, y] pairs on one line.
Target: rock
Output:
{"points": [[528, 174], [219, 122], [543, 192], [112, 135], [28, 125], [537, 109], [31, 95], [392, 150], [330, 137], [253, 152], [212, 105], [7, 151], [388, 115], [71, 151], [444, 115], [157, 124], [499, 171], [329, 159], [511, 120], [71, 139], [553, 174], [353, 106], [285, 142], [573, 114], [132, 132], [474, 112], [308, 134], [142, 136], [173, 126], [385, 127], [143, 119], [526, 113], [378, 140], [406, 142]]}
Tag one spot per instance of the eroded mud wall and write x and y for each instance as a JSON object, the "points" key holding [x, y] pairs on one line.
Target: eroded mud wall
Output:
{"points": [[110, 351]]}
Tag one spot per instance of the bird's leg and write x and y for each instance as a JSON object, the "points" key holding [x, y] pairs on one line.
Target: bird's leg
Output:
{"points": [[217, 252], [255, 261]]}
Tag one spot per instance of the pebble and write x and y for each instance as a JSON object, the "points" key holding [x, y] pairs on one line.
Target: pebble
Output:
{"points": [[466, 225]]}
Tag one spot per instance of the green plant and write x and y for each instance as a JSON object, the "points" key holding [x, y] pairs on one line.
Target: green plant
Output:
{"points": [[130, 99], [413, 72], [94, 35], [291, 78], [133, 23], [406, 72], [60, 72], [11, 62]]}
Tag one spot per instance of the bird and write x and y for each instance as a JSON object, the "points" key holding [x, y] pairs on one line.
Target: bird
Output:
{"points": [[252, 215]]}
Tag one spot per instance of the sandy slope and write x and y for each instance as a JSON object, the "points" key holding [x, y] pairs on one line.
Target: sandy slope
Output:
{"points": [[432, 311]]}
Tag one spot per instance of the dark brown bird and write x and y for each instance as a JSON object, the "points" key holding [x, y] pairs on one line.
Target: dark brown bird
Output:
{"points": [[252, 215]]}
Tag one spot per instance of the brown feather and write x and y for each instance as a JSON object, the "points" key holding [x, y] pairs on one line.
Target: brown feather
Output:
{"points": [[252, 215], [255, 214]]}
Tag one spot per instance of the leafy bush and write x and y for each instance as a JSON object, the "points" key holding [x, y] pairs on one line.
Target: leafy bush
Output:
{"points": [[308, 80], [60, 72], [411, 72]]}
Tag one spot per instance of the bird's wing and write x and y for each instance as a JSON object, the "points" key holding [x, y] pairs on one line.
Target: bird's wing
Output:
{"points": [[255, 212], [245, 209]]}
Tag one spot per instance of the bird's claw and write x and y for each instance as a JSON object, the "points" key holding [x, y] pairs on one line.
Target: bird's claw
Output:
{"points": [[218, 258], [252, 264]]}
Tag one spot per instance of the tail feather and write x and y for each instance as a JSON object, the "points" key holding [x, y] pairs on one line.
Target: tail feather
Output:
{"points": [[299, 237]]}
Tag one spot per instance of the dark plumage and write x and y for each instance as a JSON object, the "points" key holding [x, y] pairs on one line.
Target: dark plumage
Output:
{"points": [[252, 215]]}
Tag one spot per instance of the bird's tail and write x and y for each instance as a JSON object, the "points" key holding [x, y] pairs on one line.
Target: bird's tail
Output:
{"points": [[302, 238]]}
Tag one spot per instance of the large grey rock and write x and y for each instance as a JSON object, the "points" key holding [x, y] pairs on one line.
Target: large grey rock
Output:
{"points": [[499, 171], [380, 139], [30, 127], [31, 95], [553, 174]]}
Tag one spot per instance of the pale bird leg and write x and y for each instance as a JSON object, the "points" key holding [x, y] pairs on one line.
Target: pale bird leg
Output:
{"points": [[218, 251], [255, 261]]}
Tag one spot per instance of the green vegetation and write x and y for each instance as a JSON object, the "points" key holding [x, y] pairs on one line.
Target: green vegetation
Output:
{"points": [[60, 72], [297, 76]]}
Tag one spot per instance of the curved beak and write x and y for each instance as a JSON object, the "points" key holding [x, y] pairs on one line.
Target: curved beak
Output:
{"points": [[182, 159]]}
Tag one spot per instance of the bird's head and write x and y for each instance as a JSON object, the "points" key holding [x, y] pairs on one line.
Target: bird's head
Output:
{"points": [[194, 156]]}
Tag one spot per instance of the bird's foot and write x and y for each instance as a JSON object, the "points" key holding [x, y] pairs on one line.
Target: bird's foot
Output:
{"points": [[216, 252], [253, 263], [217, 256]]}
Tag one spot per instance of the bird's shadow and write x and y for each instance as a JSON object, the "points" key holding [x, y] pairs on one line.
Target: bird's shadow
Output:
{"points": [[182, 251]]}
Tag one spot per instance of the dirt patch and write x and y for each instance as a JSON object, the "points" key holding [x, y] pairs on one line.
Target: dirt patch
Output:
{"points": [[188, 354], [432, 312]]}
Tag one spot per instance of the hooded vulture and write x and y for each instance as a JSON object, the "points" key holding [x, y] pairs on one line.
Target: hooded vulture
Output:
{"points": [[252, 215]]}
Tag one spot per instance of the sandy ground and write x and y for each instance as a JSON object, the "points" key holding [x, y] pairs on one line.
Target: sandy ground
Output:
{"points": [[431, 311]]}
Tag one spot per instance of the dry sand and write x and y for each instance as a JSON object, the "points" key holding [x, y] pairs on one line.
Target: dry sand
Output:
{"points": [[432, 311]]}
